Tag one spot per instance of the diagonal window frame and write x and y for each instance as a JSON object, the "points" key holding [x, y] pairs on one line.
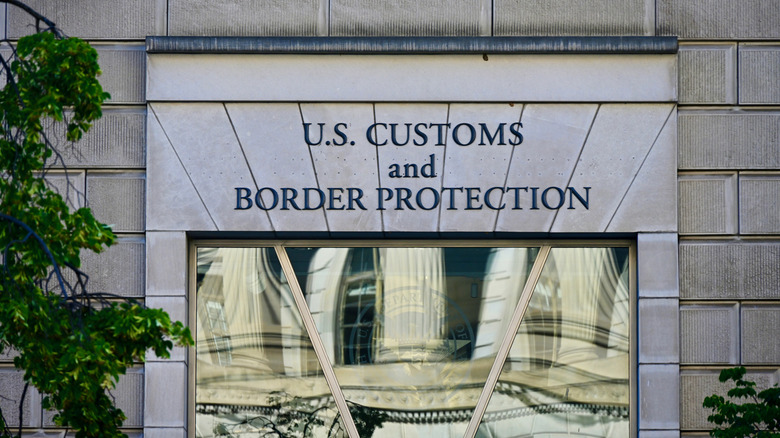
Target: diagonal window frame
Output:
{"points": [[507, 340]]}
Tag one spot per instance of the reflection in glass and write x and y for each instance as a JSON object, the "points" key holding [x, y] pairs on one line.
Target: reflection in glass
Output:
{"points": [[412, 332], [567, 373], [256, 374]]}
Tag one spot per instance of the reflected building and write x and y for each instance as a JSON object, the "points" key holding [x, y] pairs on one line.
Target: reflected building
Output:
{"points": [[411, 335], [256, 371]]}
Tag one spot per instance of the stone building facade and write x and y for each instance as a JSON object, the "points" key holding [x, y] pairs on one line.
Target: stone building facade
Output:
{"points": [[719, 308]]}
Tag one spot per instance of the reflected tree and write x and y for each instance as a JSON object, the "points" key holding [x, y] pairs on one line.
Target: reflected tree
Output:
{"points": [[296, 417], [367, 419]]}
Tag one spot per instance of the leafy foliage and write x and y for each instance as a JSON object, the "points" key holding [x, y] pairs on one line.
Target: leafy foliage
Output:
{"points": [[72, 345], [758, 416]]}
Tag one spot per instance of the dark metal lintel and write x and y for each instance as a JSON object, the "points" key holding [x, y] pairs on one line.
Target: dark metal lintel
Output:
{"points": [[413, 45]]}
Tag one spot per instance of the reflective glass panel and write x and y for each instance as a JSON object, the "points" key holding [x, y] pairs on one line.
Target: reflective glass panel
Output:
{"points": [[412, 332], [256, 373], [567, 373]]}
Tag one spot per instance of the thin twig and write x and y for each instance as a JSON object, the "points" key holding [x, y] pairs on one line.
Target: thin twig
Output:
{"points": [[38, 17]]}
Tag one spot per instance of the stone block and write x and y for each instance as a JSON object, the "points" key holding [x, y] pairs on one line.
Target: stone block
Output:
{"points": [[117, 270], [169, 200], [405, 115], [719, 19], [128, 396], [124, 71], [475, 167], [247, 18], [552, 134], [47, 434], [707, 204], [12, 387], [165, 432], [70, 185], [729, 270], [116, 140], [659, 331], [353, 166], [728, 140], [201, 161], [272, 141], [165, 394], [177, 309], [650, 203], [759, 198], [696, 385], [759, 73], [659, 402], [94, 19], [409, 17], [166, 268], [8, 354], [708, 74], [709, 334], [760, 343], [572, 17], [675, 433], [413, 78], [118, 199], [609, 155], [657, 265]]}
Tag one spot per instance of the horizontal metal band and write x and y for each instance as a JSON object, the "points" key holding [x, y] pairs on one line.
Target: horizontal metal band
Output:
{"points": [[413, 45]]}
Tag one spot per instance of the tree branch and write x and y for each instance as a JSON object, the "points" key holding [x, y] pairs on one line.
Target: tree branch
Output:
{"points": [[43, 246], [38, 17], [21, 407]]}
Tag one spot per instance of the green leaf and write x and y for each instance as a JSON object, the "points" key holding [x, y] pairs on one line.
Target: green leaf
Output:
{"points": [[72, 350]]}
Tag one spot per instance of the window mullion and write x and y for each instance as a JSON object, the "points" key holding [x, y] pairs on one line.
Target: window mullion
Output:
{"points": [[506, 344], [319, 348]]}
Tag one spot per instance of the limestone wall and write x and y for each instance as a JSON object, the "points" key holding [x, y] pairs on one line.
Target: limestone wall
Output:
{"points": [[728, 163]]}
